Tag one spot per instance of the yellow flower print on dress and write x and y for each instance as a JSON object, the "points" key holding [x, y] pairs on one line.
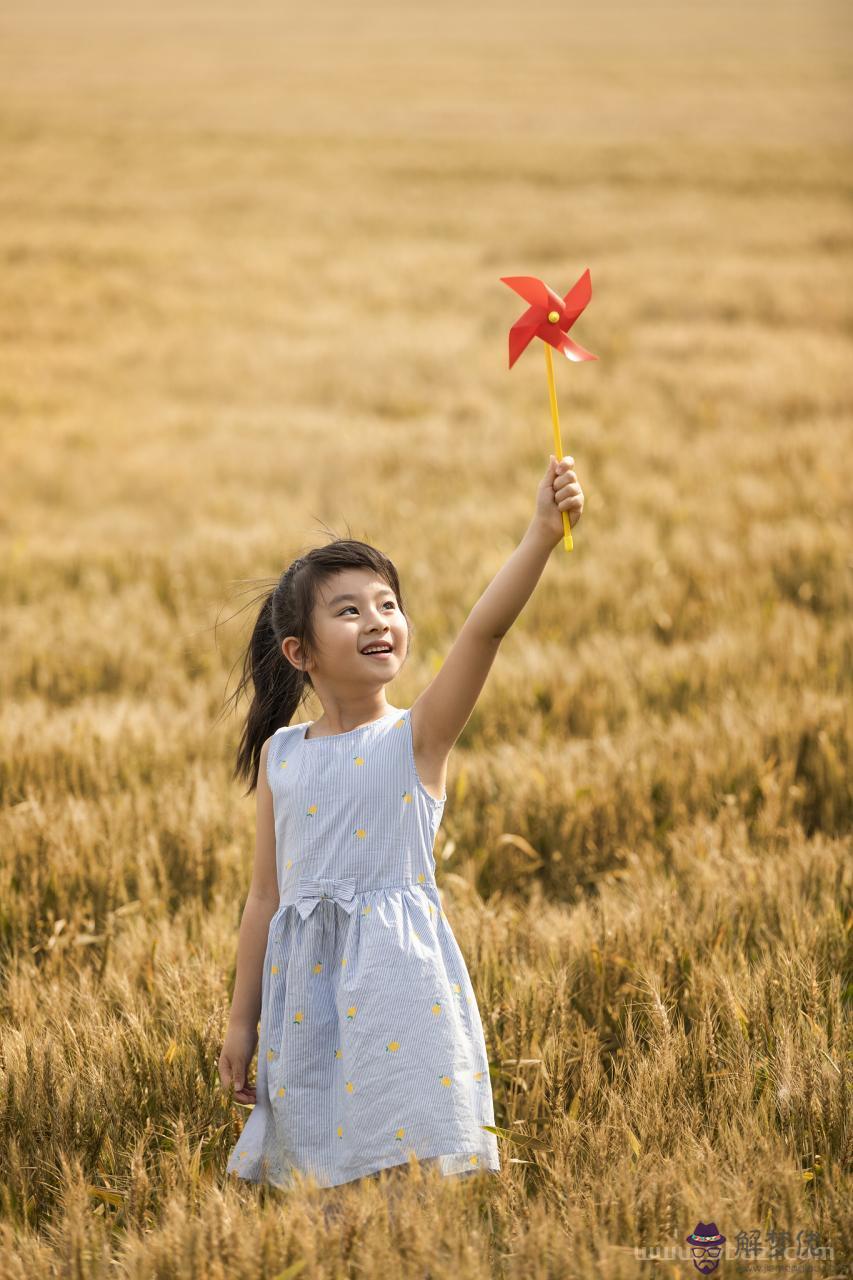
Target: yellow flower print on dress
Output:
{"points": [[361, 832], [421, 878], [274, 968], [297, 1017], [318, 967], [436, 1008], [358, 760], [288, 864], [312, 809], [283, 764], [478, 1075], [351, 1013], [399, 1135], [365, 911], [340, 1130], [338, 1053], [270, 1054], [392, 1047], [456, 987], [475, 1159], [445, 1080], [350, 1086], [398, 724], [407, 797], [282, 1091], [343, 962]]}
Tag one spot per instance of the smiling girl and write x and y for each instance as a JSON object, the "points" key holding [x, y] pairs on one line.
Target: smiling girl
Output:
{"points": [[350, 981]]}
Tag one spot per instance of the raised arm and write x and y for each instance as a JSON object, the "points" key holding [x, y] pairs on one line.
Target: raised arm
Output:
{"points": [[441, 712]]}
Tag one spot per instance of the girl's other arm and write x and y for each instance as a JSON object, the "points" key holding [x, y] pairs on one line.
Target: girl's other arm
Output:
{"points": [[261, 905]]}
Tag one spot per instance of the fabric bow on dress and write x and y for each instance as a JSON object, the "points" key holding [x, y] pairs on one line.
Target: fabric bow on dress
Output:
{"points": [[310, 891]]}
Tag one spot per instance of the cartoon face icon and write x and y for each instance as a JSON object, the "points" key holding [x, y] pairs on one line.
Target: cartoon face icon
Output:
{"points": [[706, 1247], [706, 1258]]}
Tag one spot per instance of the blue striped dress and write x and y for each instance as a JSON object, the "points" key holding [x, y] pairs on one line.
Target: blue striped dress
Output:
{"points": [[370, 1043]]}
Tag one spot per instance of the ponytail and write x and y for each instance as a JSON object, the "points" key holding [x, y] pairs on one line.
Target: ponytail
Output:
{"points": [[278, 689]]}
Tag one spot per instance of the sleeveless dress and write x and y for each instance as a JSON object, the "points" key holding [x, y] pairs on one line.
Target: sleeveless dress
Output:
{"points": [[370, 1042]]}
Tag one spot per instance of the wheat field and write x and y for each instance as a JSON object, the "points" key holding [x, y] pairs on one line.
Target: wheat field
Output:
{"points": [[250, 295]]}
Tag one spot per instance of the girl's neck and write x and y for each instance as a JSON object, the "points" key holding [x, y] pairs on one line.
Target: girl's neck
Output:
{"points": [[325, 727]]}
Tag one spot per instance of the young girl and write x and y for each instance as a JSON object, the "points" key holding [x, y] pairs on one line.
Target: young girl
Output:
{"points": [[371, 1045]]}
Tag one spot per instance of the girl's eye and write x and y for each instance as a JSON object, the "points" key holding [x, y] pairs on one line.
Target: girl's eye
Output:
{"points": [[352, 606]]}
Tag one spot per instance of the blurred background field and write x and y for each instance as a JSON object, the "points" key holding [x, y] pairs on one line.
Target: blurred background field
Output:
{"points": [[250, 294]]}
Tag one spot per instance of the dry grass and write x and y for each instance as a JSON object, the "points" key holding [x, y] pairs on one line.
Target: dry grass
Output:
{"points": [[249, 284]]}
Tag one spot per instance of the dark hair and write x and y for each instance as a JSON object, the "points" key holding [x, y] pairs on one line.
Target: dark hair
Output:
{"points": [[279, 686]]}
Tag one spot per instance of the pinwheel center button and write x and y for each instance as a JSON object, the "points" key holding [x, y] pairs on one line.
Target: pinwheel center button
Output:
{"points": [[553, 316]]}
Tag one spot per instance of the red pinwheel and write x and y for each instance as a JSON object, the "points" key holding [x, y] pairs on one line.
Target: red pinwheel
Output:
{"points": [[550, 317]]}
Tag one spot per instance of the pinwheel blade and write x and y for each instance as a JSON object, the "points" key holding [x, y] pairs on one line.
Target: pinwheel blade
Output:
{"points": [[577, 298], [523, 332], [573, 350], [534, 291]]}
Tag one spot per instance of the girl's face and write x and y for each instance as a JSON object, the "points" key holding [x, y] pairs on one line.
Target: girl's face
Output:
{"points": [[355, 610]]}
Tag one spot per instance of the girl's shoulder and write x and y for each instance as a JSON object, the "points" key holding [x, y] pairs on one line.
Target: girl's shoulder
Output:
{"points": [[286, 730], [278, 746], [289, 728]]}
